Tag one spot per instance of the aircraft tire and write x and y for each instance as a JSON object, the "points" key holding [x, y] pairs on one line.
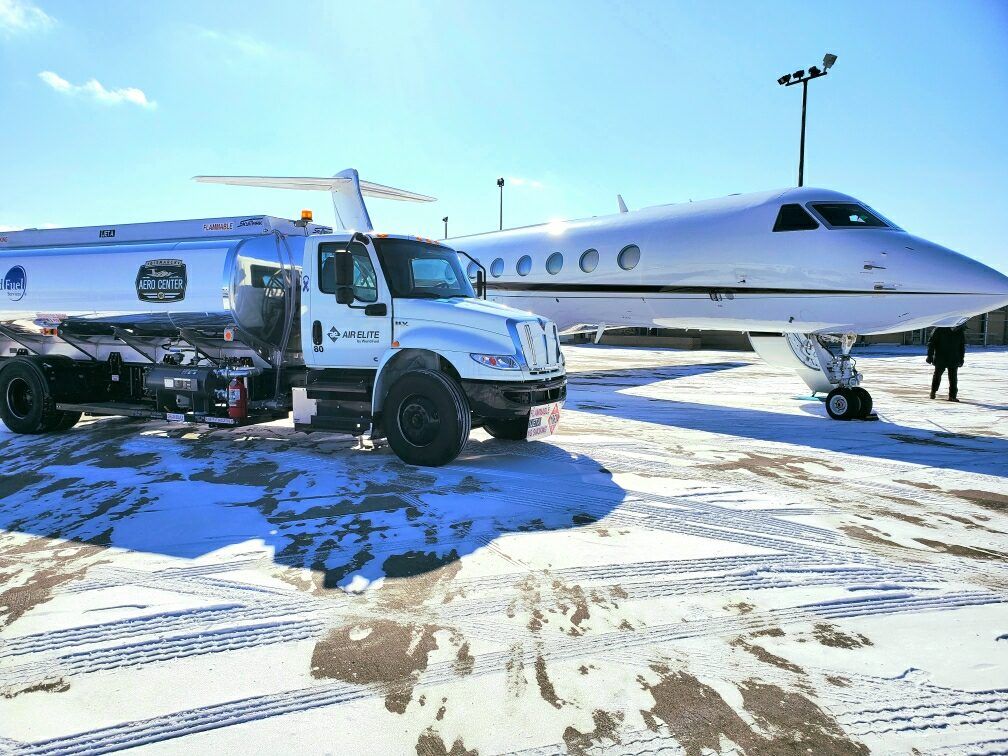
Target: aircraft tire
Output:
{"points": [[843, 404], [427, 418], [866, 402]]}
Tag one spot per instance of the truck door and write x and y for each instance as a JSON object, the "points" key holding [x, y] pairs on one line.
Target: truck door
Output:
{"points": [[355, 334]]}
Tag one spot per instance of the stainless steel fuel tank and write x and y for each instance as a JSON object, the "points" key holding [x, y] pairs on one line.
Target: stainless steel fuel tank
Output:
{"points": [[251, 281]]}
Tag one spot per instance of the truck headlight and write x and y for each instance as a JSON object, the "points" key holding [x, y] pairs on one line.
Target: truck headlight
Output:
{"points": [[497, 361]]}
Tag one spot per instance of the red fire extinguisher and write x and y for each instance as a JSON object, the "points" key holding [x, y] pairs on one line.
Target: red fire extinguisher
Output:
{"points": [[237, 399]]}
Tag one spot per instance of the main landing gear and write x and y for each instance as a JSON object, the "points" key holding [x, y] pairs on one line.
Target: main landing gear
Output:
{"points": [[848, 401]]}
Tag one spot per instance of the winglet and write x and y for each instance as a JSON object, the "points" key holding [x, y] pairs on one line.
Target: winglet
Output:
{"points": [[622, 204], [347, 190]]}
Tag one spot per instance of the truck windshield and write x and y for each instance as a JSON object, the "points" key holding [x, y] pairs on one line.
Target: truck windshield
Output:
{"points": [[420, 270]]}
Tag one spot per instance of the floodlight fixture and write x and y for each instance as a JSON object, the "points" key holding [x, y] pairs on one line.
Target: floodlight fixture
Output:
{"points": [[800, 77]]}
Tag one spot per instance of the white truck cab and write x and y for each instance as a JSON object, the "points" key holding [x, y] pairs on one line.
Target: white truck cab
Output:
{"points": [[402, 312]]}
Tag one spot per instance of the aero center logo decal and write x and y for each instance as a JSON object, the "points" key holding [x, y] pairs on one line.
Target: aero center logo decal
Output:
{"points": [[15, 283], [161, 281]]}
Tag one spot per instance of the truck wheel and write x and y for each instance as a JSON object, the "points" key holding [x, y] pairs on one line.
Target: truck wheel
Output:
{"points": [[508, 429], [23, 396], [427, 418]]}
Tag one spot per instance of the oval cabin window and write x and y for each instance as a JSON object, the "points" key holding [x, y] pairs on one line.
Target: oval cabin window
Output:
{"points": [[589, 260], [524, 266], [554, 263], [472, 270], [629, 256], [497, 267]]}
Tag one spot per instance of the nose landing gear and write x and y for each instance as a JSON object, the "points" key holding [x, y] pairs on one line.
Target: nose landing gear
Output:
{"points": [[848, 401]]}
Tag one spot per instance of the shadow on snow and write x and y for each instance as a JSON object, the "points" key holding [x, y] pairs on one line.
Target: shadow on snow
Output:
{"points": [[316, 504]]}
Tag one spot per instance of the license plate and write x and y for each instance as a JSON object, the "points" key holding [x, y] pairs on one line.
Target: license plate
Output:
{"points": [[543, 420]]}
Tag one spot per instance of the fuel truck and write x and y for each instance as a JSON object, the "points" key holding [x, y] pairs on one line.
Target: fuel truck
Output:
{"points": [[243, 320]]}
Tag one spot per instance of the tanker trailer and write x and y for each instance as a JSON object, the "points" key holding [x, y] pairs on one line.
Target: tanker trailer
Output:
{"points": [[242, 320]]}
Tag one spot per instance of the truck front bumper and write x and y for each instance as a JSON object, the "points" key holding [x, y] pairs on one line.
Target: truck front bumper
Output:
{"points": [[512, 398]]}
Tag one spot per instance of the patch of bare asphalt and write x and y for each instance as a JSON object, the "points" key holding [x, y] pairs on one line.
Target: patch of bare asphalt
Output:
{"points": [[130, 461], [742, 607], [986, 499], [430, 744], [831, 635], [514, 669], [766, 657], [969, 552], [55, 686], [772, 632], [786, 467], [606, 731], [379, 652], [70, 563], [869, 534], [908, 438], [699, 717], [263, 474], [464, 660], [546, 689]]}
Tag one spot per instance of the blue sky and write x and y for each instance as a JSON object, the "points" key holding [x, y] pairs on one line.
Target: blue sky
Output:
{"points": [[109, 108]]}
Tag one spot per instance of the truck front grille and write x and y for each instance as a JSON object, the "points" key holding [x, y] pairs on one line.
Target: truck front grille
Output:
{"points": [[541, 346]]}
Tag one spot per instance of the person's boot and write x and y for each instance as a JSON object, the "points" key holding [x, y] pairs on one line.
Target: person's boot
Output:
{"points": [[932, 394], [953, 399]]}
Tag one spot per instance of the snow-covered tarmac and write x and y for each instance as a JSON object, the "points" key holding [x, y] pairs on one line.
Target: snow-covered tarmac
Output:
{"points": [[699, 562]]}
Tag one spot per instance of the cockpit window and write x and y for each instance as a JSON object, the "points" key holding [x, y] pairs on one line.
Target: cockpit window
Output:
{"points": [[848, 215], [794, 218]]}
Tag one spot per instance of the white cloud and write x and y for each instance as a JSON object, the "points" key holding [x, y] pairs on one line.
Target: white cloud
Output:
{"points": [[530, 183], [236, 42], [93, 88], [23, 16]]}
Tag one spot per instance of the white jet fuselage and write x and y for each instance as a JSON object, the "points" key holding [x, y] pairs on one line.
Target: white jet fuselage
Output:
{"points": [[718, 264]]}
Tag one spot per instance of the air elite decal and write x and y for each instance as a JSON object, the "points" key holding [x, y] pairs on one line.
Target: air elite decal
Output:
{"points": [[15, 283], [161, 281], [361, 337], [219, 226]]}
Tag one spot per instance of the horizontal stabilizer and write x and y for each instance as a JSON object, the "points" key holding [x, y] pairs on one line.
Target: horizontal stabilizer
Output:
{"points": [[312, 183], [347, 190]]}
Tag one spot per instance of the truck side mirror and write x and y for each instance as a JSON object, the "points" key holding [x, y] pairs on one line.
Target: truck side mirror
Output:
{"points": [[344, 269], [480, 284], [345, 295]]}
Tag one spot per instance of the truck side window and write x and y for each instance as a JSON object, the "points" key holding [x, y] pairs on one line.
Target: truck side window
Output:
{"points": [[365, 282], [365, 285], [327, 267]]}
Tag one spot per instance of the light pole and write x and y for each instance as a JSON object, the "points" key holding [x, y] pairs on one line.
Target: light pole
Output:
{"points": [[445, 219], [500, 183], [800, 77]]}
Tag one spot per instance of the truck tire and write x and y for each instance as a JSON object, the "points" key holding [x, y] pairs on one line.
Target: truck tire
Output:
{"points": [[427, 418], [508, 429], [25, 404]]}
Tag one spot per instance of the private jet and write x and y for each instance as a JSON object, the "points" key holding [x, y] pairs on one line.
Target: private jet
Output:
{"points": [[802, 271]]}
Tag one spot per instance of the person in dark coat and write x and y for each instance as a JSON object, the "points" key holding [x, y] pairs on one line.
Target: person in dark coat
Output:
{"points": [[947, 351]]}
